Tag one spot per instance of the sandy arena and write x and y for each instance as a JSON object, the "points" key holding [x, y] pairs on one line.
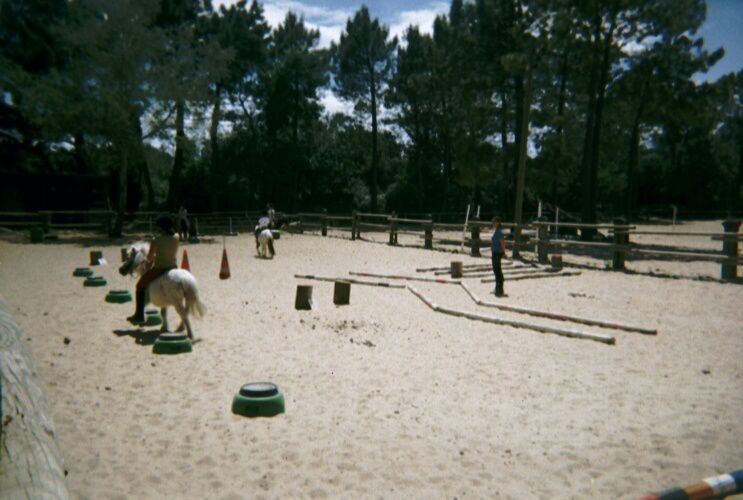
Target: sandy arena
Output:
{"points": [[384, 397]]}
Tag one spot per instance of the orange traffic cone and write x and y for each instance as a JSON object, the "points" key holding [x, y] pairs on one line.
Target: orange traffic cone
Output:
{"points": [[184, 263], [224, 271]]}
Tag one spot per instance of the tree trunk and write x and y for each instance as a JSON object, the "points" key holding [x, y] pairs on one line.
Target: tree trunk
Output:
{"points": [[588, 203], [523, 140], [447, 170], [560, 126], [297, 156], [600, 100], [417, 156], [145, 170], [634, 154], [81, 156], [505, 192], [142, 167], [174, 184], [217, 181], [632, 165], [121, 206], [518, 129], [374, 158]]}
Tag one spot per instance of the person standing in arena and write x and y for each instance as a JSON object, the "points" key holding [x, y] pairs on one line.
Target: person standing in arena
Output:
{"points": [[498, 252]]}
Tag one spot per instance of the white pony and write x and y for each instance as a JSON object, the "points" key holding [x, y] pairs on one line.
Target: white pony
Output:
{"points": [[264, 242], [175, 288]]}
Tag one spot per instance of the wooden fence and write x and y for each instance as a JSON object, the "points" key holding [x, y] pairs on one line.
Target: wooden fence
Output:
{"points": [[139, 222], [537, 236]]}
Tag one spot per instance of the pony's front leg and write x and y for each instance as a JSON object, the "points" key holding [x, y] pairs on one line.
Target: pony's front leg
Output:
{"points": [[164, 314]]}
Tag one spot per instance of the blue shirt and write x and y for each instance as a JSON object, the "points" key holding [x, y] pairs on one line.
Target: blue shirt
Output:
{"points": [[495, 237]]}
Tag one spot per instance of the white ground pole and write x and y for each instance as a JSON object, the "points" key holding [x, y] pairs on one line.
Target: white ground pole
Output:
{"points": [[606, 339], [560, 317]]}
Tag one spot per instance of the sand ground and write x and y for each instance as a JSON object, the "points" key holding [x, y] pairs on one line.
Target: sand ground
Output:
{"points": [[385, 398]]}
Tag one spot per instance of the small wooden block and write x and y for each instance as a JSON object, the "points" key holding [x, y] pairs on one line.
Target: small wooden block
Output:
{"points": [[342, 293], [456, 269], [303, 300], [95, 256]]}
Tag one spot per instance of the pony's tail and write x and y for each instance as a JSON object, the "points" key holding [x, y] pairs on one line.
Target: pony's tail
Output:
{"points": [[194, 307], [270, 247]]}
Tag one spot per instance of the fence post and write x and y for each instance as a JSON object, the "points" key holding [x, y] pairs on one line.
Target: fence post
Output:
{"points": [[428, 241], [543, 240], [393, 229], [354, 224], [324, 222], [300, 227], [475, 237], [621, 237], [729, 270]]}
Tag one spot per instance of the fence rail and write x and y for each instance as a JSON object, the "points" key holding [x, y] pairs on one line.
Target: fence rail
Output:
{"points": [[537, 235]]}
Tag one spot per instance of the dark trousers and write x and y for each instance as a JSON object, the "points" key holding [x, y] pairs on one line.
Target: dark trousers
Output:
{"points": [[150, 276], [142, 284], [498, 271]]}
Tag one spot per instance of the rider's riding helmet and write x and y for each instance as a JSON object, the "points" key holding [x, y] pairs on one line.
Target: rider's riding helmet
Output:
{"points": [[165, 222]]}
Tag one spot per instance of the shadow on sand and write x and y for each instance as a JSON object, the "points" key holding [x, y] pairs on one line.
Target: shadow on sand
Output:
{"points": [[141, 337]]}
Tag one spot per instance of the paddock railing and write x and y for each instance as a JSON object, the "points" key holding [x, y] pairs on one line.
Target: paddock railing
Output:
{"points": [[137, 222], [546, 238]]}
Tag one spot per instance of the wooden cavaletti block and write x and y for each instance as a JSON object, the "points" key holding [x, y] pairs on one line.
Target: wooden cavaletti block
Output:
{"points": [[303, 299], [342, 293]]}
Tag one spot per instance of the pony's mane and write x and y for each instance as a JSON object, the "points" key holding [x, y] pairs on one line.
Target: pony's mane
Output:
{"points": [[140, 249]]}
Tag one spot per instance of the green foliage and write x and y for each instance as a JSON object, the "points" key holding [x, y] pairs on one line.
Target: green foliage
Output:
{"points": [[594, 103]]}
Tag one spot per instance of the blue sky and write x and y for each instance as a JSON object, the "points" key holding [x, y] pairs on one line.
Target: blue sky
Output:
{"points": [[722, 27]]}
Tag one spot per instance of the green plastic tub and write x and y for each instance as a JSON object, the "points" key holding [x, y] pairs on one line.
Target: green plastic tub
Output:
{"points": [[172, 343], [258, 399], [82, 272], [95, 281], [118, 296], [152, 317]]}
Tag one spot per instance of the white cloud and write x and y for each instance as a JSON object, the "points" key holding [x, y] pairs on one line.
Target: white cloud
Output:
{"points": [[334, 104], [423, 18], [332, 22]]}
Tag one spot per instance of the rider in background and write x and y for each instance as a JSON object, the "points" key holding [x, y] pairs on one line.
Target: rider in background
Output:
{"points": [[163, 256], [271, 214]]}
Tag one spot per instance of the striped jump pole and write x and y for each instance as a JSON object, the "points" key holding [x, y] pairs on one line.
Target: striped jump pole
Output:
{"points": [[407, 278], [350, 280], [551, 274], [713, 487]]}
